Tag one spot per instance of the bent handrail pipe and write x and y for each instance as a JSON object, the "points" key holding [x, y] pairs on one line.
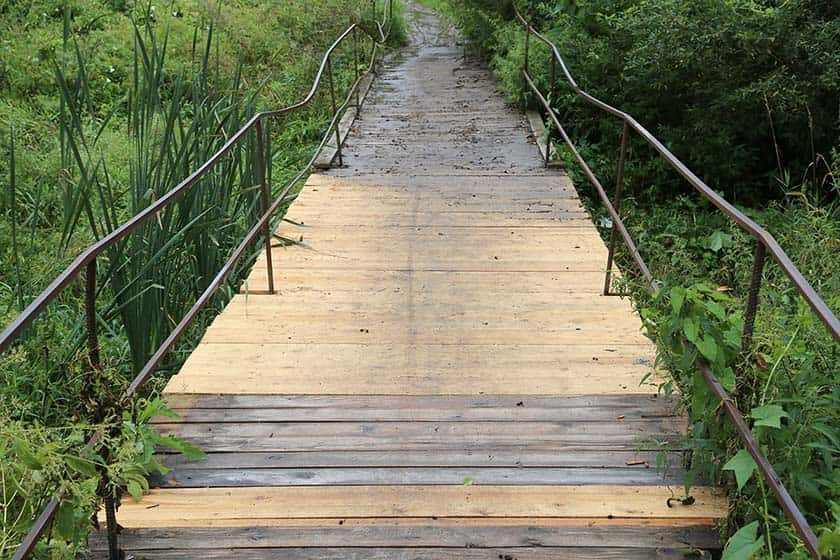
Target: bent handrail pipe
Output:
{"points": [[794, 514], [762, 236], [10, 334], [814, 300]]}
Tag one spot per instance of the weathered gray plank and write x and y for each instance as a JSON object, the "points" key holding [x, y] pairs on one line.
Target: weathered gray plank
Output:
{"points": [[185, 477], [257, 408], [424, 533], [546, 553], [239, 415], [438, 431], [485, 457], [648, 403], [292, 436]]}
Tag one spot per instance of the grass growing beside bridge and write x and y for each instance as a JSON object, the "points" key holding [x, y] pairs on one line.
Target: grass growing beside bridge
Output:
{"points": [[105, 107], [746, 94]]}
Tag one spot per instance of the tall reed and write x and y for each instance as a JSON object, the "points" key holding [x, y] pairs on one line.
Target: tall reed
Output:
{"points": [[175, 123]]}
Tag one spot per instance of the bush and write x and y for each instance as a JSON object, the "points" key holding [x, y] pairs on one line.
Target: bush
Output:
{"points": [[747, 93]]}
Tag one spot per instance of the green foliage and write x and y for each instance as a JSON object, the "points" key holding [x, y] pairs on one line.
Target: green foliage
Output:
{"points": [[33, 459], [744, 91], [36, 462], [787, 385], [744, 543]]}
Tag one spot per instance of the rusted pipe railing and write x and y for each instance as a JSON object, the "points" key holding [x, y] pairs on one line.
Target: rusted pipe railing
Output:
{"points": [[87, 260], [765, 243]]}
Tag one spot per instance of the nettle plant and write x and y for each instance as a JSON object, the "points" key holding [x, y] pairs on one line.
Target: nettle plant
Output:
{"points": [[704, 322]]}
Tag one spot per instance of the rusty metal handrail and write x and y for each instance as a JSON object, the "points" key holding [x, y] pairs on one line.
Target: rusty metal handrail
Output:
{"points": [[765, 243], [87, 260]]}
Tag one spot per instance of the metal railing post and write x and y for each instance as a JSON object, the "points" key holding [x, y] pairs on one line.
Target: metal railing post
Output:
{"points": [[90, 316], [617, 205], [551, 93], [264, 196], [356, 68], [95, 361], [334, 111], [114, 552], [752, 298], [527, 37]]}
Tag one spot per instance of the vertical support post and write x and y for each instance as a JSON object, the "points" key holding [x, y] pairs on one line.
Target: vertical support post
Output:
{"points": [[356, 68], [95, 360], [264, 196], [551, 99], [373, 12], [752, 298], [334, 111], [90, 316], [114, 552], [527, 37], [625, 134]]}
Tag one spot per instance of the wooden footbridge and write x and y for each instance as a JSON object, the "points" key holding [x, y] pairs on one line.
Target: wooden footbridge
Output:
{"points": [[427, 367], [438, 374]]}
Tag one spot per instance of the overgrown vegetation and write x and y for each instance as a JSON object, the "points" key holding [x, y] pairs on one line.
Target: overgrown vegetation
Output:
{"points": [[746, 93], [105, 107]]}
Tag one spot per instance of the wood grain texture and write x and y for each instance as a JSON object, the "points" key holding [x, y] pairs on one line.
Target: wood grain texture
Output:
{"points": [[463, 553], [186, 477], [283, 408], [360, 285], [519, 457], [414, 369], [199, 506], [428, 532]]}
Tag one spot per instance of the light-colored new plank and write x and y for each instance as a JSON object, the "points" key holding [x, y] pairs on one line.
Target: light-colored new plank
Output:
{"points": [[348, 369], [442, 248], [307, 285], [196, 506]]}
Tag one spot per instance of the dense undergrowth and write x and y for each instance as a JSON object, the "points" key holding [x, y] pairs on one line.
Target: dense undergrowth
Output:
{"points": [[104, 107], [746, 93]]}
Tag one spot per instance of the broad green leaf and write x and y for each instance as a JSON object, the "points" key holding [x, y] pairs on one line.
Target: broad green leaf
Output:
{"points": [[135, 490], [732, 338], [743, 465], [677, 299], [716, 309], [80, 466], [691, 328], [65, 521], [744, 543], [769, 415], [716, 241], [25, 456], [727, 379], [708, 348]]}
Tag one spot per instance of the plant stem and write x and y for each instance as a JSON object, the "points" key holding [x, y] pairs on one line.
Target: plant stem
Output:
{"points": [[776, 365]]}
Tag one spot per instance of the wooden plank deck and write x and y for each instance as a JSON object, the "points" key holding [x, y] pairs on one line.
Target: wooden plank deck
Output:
{"points": [[438, 376]]}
